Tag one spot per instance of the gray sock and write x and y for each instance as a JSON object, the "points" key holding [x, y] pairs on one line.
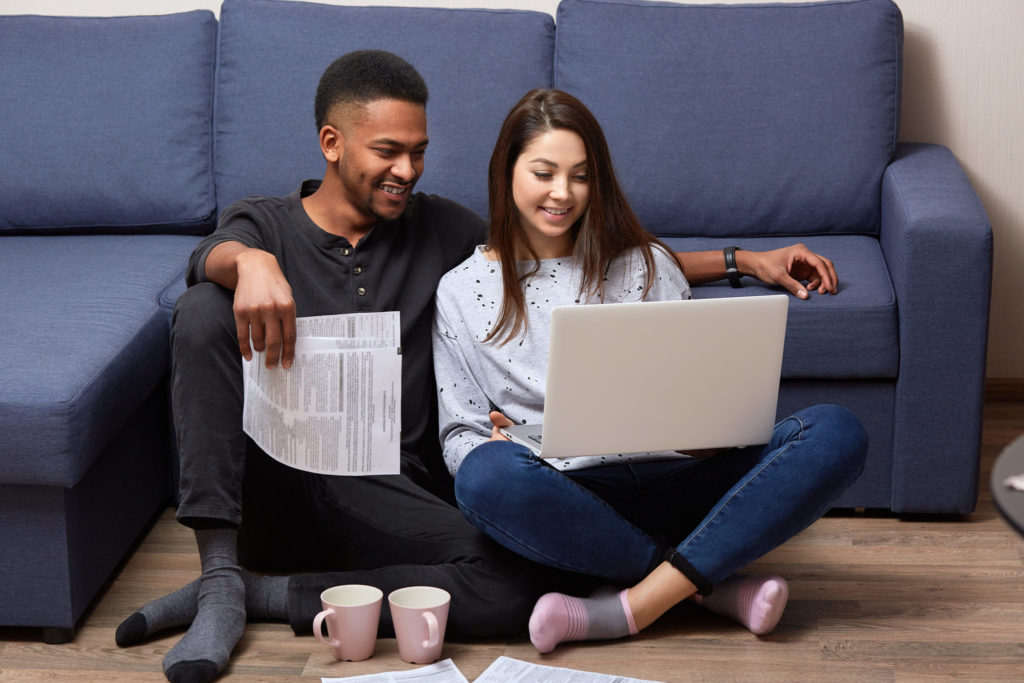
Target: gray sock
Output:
{"points": [[266, 597], [558, 618], [172, 610], [205, 649]]}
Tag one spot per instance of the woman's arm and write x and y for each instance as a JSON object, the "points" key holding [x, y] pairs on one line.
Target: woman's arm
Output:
{"points": [[463, 406]]}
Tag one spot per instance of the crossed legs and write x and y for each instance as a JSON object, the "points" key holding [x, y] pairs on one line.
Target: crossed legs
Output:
{"points": [[728, 510]]}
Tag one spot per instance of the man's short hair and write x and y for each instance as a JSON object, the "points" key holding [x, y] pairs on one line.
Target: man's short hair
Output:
{"points": [[365, 76]]}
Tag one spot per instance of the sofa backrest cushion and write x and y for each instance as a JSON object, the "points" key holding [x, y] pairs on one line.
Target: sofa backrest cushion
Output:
{"points": [[477, 64], [105, 123], [741, 119]]}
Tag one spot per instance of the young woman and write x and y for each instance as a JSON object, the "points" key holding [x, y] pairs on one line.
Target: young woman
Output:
{"points": [[665, 525]]}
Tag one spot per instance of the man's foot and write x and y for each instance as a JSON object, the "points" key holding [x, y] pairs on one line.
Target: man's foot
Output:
{"points": [[266, 597], [206, 647], [172, 610]]}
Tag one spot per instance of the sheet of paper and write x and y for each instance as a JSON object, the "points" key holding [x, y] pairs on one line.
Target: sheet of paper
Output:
{"points": [[508, 670], [380, 326], [337, 410], [444, 671]]}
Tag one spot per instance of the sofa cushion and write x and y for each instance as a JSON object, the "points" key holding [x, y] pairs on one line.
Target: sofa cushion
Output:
{"points": [[741, 119], [85, 341], [105, 123], [851, 335], [477, 64]]}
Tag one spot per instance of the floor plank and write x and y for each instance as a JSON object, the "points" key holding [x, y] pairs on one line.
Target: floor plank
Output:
{"points": [[873, 598]]}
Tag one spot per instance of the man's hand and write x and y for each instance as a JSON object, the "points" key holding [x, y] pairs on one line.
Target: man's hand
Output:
{"points": [[264, 309], [790, 267], [499, 420]]}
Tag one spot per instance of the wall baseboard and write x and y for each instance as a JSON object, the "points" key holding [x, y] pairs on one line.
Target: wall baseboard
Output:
{"points": [[1004, 389]]}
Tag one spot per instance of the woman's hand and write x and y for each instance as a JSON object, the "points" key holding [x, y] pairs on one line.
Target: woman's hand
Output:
{"points": [[499, 420]]}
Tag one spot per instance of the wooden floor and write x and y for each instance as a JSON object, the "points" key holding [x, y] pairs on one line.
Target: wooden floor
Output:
{"points": [[873, 598]]}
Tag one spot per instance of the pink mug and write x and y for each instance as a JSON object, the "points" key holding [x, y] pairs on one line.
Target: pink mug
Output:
{"points": [[420, 614], [352, 612]]}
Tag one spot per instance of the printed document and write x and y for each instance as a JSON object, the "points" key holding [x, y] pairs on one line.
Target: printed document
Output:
{"points": [[444, 671], [502, 670], [508, 670], [338, 409]]}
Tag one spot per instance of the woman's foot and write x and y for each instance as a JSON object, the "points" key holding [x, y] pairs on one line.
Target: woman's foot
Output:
{"points": [[755, 601], [558, 618]]}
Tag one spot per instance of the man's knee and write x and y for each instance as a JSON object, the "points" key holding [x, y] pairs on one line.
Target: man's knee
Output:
{"points": [[203, 316]]}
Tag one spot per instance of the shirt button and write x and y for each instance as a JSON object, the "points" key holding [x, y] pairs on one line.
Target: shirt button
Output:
{"points": [[361, 291], [357, 270], [345, 251]]}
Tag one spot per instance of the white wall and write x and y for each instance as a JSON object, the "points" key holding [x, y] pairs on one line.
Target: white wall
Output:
{"points": [[962, 88]]}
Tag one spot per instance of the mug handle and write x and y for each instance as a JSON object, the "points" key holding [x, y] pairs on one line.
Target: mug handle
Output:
{"points": [[433, 632], [318, 621]]}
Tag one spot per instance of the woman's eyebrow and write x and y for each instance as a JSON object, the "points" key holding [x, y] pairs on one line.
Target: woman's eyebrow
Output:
{"points": [[542, 160]]}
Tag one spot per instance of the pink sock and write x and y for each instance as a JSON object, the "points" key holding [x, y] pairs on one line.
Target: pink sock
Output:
{"points": [[558, 618], [757, 602]]}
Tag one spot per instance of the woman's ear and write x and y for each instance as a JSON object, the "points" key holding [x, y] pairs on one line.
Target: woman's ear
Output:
{"points": [[332, 143]]}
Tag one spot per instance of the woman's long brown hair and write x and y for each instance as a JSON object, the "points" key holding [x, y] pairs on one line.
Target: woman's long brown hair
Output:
{"points": [[607, 227]]}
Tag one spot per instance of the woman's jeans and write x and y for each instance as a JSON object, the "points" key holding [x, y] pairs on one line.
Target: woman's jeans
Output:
{"points": [[709, 517]]}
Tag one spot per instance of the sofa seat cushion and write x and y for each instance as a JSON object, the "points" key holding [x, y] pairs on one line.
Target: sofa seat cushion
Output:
{"points": [[106, 123], [852, 335], [741, 119], [85, 341], [476, 63]]}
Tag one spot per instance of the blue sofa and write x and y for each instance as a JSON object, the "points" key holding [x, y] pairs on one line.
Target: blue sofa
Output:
{"points": [[122, 138]]}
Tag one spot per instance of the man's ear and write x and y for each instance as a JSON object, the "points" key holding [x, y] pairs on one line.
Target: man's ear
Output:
{"points": [[332, 143]]}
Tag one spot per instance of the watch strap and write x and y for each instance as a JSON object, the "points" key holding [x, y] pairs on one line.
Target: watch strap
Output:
{"points": [[731, 271]]}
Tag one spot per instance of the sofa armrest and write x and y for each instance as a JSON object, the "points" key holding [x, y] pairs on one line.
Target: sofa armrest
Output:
{"points": [[937, 243]]}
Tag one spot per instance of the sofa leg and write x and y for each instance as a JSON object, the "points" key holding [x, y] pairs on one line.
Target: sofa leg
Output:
{"points": [[55, 635]]}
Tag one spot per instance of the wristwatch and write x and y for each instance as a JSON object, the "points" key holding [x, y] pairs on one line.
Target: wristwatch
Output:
{"points": [[730, 266]]}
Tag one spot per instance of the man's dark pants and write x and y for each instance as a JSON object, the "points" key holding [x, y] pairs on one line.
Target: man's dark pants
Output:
{"points": [[384, 531]]}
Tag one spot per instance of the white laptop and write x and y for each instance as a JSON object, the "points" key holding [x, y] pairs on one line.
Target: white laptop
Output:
{"points": [[660, 375]]}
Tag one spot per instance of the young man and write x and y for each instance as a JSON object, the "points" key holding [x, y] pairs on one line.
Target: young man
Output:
{"points": [[359, 240]]}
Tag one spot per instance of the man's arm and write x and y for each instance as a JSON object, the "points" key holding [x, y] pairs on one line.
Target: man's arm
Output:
{"points": [[788, 267], [264, 308]]}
